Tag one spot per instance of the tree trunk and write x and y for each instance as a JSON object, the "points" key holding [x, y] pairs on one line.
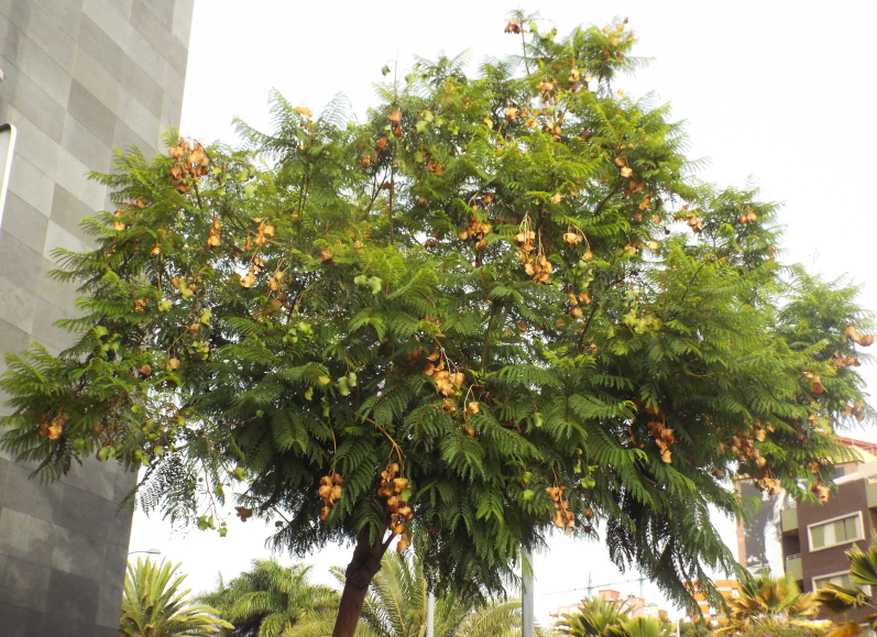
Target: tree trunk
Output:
{"points": [[362, 568]]}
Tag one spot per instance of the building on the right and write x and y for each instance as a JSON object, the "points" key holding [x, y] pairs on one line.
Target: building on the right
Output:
{"points": [[815, 537]]}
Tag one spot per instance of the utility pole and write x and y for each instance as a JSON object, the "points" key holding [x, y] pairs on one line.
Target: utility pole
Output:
{"points": [[527, 624], [590, 587], [430, 614]]}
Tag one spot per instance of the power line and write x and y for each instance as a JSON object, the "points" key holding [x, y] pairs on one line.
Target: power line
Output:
{"points": [[639, 580]]}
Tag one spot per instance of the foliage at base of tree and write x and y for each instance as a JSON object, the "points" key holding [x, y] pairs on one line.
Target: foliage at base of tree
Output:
{"points": [[154, 604], [768, 603], [271, 600], [597, 617], [500, 305]]}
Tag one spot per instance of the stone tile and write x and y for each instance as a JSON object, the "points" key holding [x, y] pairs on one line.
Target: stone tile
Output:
{"points": [[73, 597], [159, 35], [163, 10], [50, 290], [119, 527], [183, 19], [12, 339], [109, 603], [93, 115], [32, 185], [125, 482], [142, 85], [20, 264], [10, 38], [94, 477], [57, 237], [95, 77], [113, 22], [46, 331], [20, 622], [85, 146], [68, 211], [138, 118], [24, 222], [127, 138], [170, 112], [33, 144], [25, 537], [28, 97], [74, 552], [23, 583], [18, 306], [73, 177], [28, 495], [101, 47], [78, 510], [32, 60], [44, 26], [67, 13]]}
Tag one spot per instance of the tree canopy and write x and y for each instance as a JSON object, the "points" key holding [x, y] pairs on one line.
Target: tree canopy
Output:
{"points": [[501, 304]]}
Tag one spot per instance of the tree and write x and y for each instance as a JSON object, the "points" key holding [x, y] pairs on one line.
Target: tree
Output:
{"points": [[597, 617], [154, 604], [594, 617], [499, 305], [397, 601], [769, 604], [841, 599], [641, 627], [689, 628], [271, 600]]}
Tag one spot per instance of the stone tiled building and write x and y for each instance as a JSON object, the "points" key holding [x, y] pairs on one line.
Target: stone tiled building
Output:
{"points": [[81, 77]]}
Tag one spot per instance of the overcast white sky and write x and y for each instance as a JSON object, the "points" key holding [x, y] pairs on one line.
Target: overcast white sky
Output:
{"points": [[775, 94]]}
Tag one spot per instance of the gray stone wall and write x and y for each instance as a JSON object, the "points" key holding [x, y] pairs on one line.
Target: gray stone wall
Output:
{"points": [[81, 77]]}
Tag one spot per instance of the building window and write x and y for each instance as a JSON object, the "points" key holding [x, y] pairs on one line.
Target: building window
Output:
{"points": [[840, 530], [838, 579], [7, 146], [842, 579]]}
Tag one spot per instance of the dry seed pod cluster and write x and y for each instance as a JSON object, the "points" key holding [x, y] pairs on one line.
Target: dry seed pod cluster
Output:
{"points": [[864, 340], [856, 409], [664, 438], [331, 490], [536, 265], [52, 429], [564, 518], [249, 279], [190, 163], [816, 385], [840, 361], [213, 236], [392, 488], [576, 301], [747, 217], [821, 491], [446, 383], [476, 230]]}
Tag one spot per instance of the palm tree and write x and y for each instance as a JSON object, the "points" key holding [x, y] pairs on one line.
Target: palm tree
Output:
{"points": [[594, 617], [767, 602], [839, 599], [397, 601], [271, 600], [155, 605], [641, 627]]}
